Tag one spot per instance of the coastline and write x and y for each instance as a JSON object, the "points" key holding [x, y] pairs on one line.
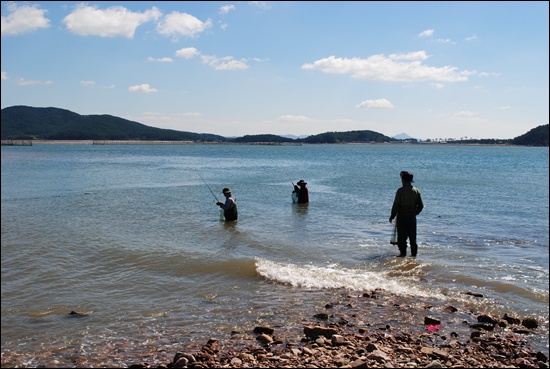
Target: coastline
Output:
{"points": [[80, 142], [373, 329], [163, 142], [353, 330]]}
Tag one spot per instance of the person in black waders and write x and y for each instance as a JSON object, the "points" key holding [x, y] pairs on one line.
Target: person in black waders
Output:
{"points": [[230, 205], [301, 191], [407, 204]]}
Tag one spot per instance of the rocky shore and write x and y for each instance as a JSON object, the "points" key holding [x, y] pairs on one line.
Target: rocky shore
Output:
{"points": [[375, 330], [372, 329]]}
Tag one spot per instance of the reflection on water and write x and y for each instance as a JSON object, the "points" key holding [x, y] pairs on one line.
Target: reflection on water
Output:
{"points": [[300, 208]]}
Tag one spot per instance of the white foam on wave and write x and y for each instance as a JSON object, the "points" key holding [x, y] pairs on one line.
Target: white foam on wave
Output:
{"points": [[333, 277]]}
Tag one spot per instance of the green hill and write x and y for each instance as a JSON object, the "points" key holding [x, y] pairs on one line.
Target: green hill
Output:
{"points": [[262, 138], [536, 137], [348, 137], [29, 123]]}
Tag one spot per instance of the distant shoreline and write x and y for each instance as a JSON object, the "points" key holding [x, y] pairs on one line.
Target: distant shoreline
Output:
{"points": [[87, 142], [164, 142]]}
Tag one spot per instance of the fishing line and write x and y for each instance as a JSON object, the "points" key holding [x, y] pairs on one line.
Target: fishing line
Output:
{"points": [[212, 192], [290, 179]]}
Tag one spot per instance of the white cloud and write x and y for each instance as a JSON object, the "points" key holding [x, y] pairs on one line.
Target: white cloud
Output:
{"points": [[187, 52], [430, 33], [114, 21], [160, 60], [294, 118], [260, 4], [87, 83], [415, 55], [23, 19], [192, 114], [226, 9], [382, 68], [142, 88], [426, 33], [4, 76], [466, 116], [376, 104], [182, 24], [225, 63], [27, 82]]}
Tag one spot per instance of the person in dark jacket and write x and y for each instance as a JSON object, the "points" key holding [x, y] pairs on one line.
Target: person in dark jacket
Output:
{"points": [[229, 206], [407, 204], [301, 191]]}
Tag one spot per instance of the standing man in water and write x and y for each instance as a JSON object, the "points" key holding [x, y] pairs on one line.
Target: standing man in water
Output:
{"points": [[406, 206], [301, 191], [230, 205]]}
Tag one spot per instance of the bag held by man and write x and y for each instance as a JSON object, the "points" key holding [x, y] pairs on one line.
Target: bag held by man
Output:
{"points": [[393, 238]]}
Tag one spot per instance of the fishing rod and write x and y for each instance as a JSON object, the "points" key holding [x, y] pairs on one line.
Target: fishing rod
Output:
{"points": [[290, 179], [294, 195], [212, 192]]}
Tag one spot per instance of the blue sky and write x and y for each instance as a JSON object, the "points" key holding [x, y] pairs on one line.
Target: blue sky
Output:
{"points": [[429, 69]]}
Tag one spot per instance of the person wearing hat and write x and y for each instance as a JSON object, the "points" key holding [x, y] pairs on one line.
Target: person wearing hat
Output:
{"points": [[229, 206], [301, 191], [407, 204]]}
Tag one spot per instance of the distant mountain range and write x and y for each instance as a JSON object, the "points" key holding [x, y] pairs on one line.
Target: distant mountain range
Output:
{"points": [[31, 123], [403, 136], [294, 137]]}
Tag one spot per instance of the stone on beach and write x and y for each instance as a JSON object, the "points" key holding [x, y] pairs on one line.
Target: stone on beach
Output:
{"points": [[344, 341]]}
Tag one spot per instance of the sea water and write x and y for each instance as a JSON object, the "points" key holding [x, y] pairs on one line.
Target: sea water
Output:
{"points": [[131, 235]]}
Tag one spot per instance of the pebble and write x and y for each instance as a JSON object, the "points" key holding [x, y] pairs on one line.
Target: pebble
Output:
{"points": [[336, 341], [386, 332]]}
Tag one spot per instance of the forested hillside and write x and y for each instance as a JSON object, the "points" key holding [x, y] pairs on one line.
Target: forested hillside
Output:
{"points": [[536, 137], [29, 123], [351, 136]]}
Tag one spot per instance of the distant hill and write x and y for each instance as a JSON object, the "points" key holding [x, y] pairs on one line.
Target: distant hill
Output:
{"points": [[348, 137], [402, 136], [262, 138], [536, 137], [29, 123], [294, 137]]}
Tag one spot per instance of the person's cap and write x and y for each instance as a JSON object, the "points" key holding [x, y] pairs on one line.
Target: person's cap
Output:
{"points": [[226, 190], [301, 182], [406, 176]]}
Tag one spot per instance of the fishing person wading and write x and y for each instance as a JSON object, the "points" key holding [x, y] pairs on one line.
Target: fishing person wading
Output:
{"points": [[407, 204], [230, 205], [301, 191]]}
